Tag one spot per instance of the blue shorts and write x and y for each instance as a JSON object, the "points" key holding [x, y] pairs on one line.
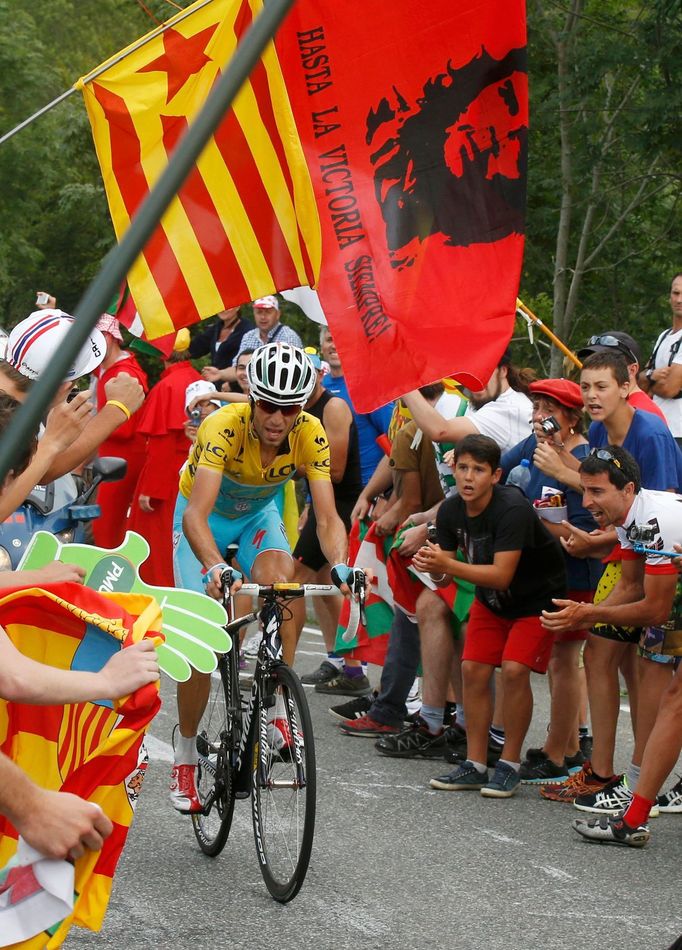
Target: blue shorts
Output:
{"points": [[260, 531]]}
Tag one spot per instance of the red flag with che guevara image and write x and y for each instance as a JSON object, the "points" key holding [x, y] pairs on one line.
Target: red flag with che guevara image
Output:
{"points": [[414, 124]]}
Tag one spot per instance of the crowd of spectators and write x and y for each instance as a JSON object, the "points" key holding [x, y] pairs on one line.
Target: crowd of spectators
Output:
{"points": [[511, 515]]}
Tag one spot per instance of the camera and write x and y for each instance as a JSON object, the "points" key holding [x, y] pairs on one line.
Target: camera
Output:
{"points": [[42, 299], [431, 533], [73, 392], [195, 416], [644, 533], [550, 425]]}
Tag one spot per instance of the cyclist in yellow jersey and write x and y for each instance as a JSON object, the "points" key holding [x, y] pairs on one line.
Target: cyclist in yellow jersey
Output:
{"points": [[243, 453]]}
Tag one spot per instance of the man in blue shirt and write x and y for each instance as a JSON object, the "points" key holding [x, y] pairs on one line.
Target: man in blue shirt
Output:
{"points": [[370, 425]]}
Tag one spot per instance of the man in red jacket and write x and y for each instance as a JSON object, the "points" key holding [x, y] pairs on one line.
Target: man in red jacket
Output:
{"points": [[162, 425]]}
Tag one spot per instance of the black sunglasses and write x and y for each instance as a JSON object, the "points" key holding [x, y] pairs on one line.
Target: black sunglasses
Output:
{"points": [[613, 341], [272, 407], [605, 456]]}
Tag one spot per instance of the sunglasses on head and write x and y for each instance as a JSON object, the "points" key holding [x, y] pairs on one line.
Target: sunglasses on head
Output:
{"points": [[605, 456], [272, 407], [612, 341]]}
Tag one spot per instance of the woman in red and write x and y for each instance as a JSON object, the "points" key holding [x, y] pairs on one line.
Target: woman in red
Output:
{"points": [[125, 442], [162, 424]]}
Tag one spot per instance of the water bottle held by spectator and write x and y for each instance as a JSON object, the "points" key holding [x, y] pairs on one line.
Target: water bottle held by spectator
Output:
{"points": [[520, 475]]}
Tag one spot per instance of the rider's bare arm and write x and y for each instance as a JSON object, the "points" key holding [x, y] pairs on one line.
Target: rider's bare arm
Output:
{"points": [[330, 529], [195, 519]]}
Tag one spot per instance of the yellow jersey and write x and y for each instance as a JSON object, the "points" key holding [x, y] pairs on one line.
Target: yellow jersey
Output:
{"points": [[226, 443]]}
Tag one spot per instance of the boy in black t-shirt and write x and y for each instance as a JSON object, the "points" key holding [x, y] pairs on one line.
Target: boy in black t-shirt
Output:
{"points": [[516, 566]]}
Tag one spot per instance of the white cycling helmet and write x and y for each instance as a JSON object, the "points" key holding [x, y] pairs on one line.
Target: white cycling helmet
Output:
{"points": [[33, 343], [282, 374]]}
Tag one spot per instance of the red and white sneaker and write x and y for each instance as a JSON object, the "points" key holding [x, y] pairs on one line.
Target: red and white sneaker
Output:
{"points": [[280, 736], [183, 790]]}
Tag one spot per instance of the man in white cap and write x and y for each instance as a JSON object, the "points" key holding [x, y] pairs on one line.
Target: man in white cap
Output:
{"points": [[31, 346], [269, 329]]}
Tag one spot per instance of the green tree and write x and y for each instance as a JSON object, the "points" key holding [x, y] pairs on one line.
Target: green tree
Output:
{"points": [[604, 178]]}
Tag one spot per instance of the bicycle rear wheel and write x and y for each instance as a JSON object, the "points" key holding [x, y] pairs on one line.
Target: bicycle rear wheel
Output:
{"points": [[216, 775], [284, 783]]}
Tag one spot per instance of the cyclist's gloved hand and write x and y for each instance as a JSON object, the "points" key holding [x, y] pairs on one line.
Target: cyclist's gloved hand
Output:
{"points": [[228, 577], [354, 577]]}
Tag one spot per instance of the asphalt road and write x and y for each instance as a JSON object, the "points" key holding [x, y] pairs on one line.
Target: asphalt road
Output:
{"points": [[395, 865]]}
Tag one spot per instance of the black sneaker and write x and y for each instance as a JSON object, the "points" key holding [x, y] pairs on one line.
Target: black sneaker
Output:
{"points": [[343, 685], [456, 739], [574, 763], [456, 757], [670, 802], [464, 778], [612, 830], [353, 709], [325, 672], [539, 770], [413, 743], [585, 743]]}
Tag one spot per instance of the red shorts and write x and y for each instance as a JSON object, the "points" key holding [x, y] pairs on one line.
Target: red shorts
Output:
{"points": [[491, 640], [567, 636]]}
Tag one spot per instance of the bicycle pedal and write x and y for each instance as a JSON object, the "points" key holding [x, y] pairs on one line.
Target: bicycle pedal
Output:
{"points": [[242, 794]]}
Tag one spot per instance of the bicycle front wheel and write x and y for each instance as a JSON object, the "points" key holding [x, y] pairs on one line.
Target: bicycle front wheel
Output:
{"points": [[284, 783], [215, 771]]}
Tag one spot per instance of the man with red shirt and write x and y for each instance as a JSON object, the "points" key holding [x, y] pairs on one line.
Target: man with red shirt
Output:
{"points": [[125, 442], [162, 424]]}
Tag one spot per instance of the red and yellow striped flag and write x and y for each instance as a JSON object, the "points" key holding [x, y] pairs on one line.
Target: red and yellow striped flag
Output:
{"points": [[245, 223], [93, 750]]}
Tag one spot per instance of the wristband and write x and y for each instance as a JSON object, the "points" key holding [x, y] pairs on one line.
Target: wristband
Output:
{"points": [[119, 405], [221, 566], [341, 574]]}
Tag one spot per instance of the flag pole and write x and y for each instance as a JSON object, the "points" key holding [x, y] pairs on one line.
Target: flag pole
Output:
{"points": [[520, 305], [120, 259]]}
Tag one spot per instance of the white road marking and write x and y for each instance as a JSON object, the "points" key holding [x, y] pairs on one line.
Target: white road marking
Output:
{"points": [[555, 873], [158, 750], [496, 836]]}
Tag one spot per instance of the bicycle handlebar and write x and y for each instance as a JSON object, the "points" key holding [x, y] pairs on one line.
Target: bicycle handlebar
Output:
{"points": [[289, 591]]}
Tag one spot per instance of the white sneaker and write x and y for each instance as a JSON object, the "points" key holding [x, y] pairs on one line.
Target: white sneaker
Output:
{"points": [[251, 646]]}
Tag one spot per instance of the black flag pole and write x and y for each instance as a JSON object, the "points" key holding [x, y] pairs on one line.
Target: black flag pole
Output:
{"points": [[120, 259]]}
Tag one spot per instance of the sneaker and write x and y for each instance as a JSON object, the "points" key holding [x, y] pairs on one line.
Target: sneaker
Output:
{"points": [[582, 783], [354, 708], [183, 790], [574, 763], [613, 799], [412, 743], [612, 830], [252, 645], [670, 802], [456, 739], [464, 778], [279, 735], [504, 782], [540, 770], [368, 727], [343, 685], [325, 672], [585, 743], [457, 757]]}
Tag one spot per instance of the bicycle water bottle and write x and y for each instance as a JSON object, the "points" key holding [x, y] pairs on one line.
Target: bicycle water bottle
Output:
{"points": [[520, 475]]}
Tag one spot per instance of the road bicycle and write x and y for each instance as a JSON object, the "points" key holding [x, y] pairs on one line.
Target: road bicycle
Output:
{"points": [[262, 746]]}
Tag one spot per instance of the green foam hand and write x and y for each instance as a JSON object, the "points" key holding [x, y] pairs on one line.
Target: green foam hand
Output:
{"points": [[192, 623]]}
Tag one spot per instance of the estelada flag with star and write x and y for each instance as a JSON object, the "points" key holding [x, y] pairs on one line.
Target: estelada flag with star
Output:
{"points": [[244, 224], [414, 122], [93, 749]]}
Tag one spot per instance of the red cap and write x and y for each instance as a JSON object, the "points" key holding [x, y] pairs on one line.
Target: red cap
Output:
{"points": [[563, 390]]}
